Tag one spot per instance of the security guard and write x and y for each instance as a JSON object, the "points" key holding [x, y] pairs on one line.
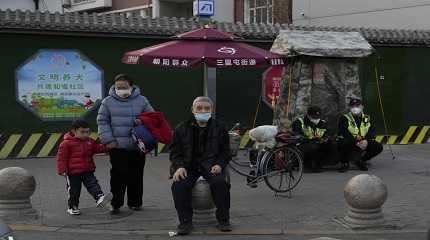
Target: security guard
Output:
{"points": [[317, 146], [357, 137]]}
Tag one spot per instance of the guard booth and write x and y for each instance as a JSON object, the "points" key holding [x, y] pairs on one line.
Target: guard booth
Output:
{"points": [[322, 69]]}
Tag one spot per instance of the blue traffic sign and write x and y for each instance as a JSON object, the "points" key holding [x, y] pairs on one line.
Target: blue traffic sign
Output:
{"points": [[204, 8]]}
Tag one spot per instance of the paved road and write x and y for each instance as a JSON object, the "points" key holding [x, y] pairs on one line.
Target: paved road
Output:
{"points": [[28, 235], [317, 200]]}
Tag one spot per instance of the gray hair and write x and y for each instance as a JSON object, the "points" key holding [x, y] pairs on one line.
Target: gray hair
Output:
{"points": [[203, 99]]}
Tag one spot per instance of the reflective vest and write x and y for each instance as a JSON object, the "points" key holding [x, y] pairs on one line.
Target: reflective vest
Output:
{"points": [[354, 129], [310, 133]]}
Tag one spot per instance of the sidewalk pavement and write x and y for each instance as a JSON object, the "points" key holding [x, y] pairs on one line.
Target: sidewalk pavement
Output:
{"points": [[309, 213]]}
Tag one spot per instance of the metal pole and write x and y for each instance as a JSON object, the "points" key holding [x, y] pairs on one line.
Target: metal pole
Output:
{"points": [[205, 80], [209, 83]]}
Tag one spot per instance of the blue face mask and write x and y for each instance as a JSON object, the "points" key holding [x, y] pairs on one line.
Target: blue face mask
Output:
{"points": [[202, 117]]}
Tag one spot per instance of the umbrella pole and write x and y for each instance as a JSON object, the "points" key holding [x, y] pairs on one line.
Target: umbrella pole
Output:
{"points": [[205, 80], [209, 83]]}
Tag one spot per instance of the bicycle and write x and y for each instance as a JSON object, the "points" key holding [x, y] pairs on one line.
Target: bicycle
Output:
{"points": [[283, 161]]}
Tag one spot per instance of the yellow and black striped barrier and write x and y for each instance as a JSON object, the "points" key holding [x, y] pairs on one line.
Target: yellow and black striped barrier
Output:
{"points": [[39, 145], [31, 145]]}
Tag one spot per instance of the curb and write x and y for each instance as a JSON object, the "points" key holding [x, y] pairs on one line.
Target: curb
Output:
{"points": [[239, 231]]}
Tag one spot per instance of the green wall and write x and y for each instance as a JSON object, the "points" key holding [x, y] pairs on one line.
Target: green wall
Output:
{"points": [[170, 91], [404, 88]]}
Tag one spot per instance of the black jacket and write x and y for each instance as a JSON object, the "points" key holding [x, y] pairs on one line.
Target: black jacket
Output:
{"points": [[217, 149]]}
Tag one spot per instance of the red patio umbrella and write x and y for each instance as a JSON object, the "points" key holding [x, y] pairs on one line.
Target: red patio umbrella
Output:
{"points": [[205, 47]]}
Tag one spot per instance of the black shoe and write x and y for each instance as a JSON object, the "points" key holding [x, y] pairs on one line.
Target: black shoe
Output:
{"points": [[184, 228], [224, 227], [115, 211], [344, 168], [362, 166], [136, 209]]}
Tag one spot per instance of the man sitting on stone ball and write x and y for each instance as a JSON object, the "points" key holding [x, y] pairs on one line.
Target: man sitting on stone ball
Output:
{"points": [[200, 148]]}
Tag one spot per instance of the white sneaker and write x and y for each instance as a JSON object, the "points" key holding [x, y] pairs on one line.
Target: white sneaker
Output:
{"points": [[104, 200], [74, 211]]}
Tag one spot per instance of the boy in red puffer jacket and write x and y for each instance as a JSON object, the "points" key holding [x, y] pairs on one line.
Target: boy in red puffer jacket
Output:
{"points": [[75, 162]]}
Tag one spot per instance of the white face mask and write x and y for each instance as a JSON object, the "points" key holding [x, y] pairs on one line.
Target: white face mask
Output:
{"points": [[202, 117], [123, 93], [357, 110], [315, 121]]}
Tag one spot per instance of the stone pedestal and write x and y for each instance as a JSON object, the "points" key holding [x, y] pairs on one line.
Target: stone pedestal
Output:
{"points": [[203, 205], [16, 188], [365, 194]]}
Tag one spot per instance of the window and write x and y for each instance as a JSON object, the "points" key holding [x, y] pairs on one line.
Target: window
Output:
{"points": [[259, 11], [144, 12]]}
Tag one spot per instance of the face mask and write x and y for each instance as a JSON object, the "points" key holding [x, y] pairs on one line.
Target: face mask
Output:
{"points": [[357, 110], [123, 93], [315, 121], [202, 117]]}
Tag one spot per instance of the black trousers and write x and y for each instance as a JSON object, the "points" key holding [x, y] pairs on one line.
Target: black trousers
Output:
{"points": [[318, 154], [220, 189], [126, 174], [74, 187], [351, 153]]}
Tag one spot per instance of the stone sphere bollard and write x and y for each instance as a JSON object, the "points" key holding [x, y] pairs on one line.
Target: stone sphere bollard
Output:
{"points": [[365, 194], [16, 188], [203, 205]]}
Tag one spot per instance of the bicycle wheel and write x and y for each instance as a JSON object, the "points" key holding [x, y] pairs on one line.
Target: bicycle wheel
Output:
{"points": [[283, 169]]}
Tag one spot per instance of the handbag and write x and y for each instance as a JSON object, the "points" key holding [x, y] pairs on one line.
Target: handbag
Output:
{"points": [[143, 138]]}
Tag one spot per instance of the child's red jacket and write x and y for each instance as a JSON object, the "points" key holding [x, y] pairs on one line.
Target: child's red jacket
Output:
{"points": [[158, 126], [75, 156]]}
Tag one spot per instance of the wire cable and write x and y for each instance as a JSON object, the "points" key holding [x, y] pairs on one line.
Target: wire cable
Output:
{"points": [[257, 110], [378, 89]]}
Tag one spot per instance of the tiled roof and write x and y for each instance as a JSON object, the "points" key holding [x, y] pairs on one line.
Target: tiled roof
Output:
{"points": [[164, 27]]}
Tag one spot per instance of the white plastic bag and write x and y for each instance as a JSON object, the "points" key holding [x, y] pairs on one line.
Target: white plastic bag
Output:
{"points": [[264, 136]]}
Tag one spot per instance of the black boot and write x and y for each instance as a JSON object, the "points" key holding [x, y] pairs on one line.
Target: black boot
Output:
{"points": [[185, 228], [224, 227], [115, 211], [344, 167], [361, 165]]}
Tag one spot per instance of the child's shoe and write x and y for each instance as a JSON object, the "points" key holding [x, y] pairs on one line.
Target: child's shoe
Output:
{"points": [[104, 200], [74, 211]]}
